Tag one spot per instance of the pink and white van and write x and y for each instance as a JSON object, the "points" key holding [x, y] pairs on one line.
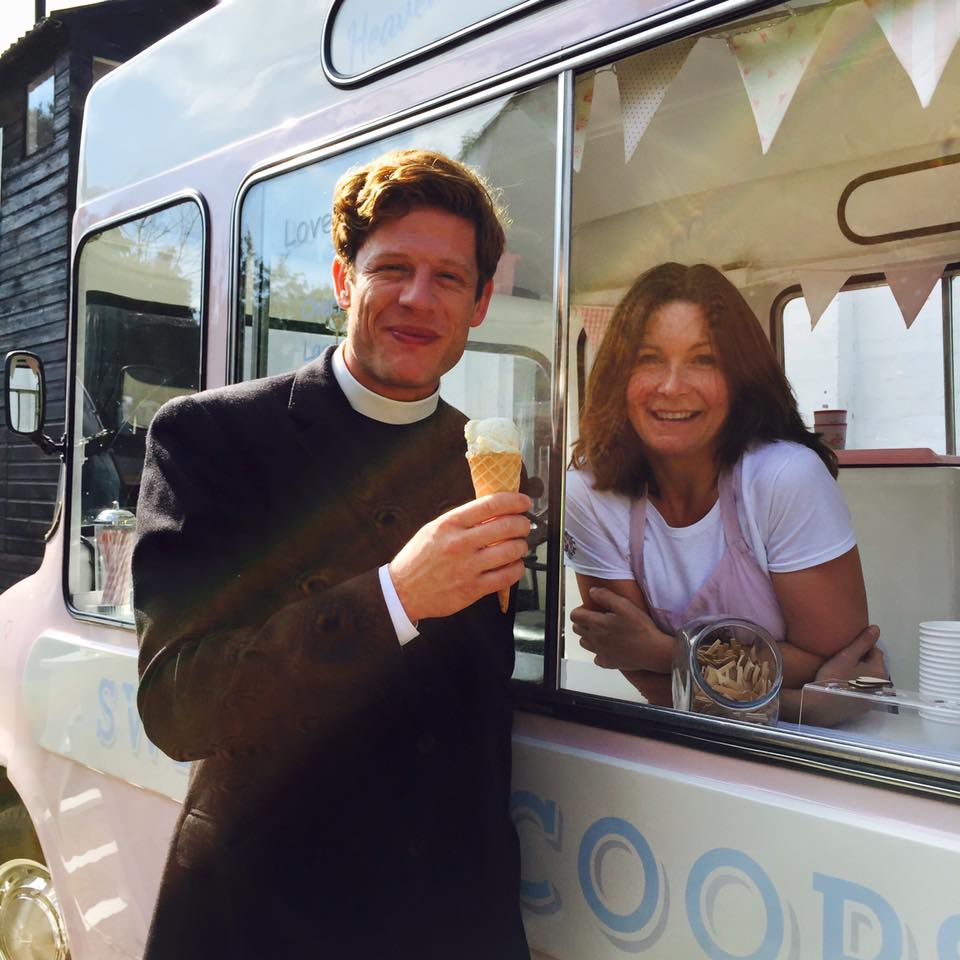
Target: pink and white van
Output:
{"points": [[809, 150]]}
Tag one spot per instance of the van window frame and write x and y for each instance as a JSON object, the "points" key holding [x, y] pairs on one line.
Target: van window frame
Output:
{"points": [[851, 760], [128, 216], [562, 212]]}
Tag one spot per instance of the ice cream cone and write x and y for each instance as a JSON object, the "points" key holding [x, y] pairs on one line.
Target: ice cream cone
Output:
{"points": [[496, 473]]}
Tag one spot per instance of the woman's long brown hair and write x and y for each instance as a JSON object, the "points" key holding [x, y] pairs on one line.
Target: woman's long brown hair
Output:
{"points": [[762, 404]]}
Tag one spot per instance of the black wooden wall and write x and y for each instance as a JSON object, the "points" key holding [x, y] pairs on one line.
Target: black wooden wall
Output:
{"points": [[37, 199], [35, 212]]}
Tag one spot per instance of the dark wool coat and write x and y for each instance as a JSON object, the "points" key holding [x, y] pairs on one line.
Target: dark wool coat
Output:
{"points": [[350, 796]]}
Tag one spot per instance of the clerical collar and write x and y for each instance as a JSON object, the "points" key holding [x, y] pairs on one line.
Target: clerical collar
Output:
{"points": [[376, 407]]}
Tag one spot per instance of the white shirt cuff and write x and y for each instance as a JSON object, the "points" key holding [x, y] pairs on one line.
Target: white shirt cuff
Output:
{"points": [[405, 630]]}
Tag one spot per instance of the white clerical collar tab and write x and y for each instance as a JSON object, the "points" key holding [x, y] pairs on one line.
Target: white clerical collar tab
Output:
{"points": [[376, 407]]}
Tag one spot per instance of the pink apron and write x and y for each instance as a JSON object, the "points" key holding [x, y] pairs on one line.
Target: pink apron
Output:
{"points": [[738, 586]]}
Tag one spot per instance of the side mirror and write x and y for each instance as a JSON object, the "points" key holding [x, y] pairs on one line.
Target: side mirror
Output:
{"points": [[25, 399], [24, 392]]}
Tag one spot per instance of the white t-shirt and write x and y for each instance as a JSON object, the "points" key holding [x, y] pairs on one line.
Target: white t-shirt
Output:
{"points": [[792, 515]]}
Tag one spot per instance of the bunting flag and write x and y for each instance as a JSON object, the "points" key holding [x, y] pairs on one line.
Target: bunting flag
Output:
{"points": [[772, 61], [582, 102], [911, 286], [922, 34], [594, 321], [643, 81], [819, 289]]}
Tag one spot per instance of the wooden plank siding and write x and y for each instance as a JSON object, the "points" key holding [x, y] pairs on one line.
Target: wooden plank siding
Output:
{"points": [[37, 197], [35, 212]]}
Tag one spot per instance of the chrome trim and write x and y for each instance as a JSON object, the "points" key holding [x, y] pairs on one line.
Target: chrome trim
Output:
{"points": [[27, 882], [883, 766], [347, 82], [848, 764], [563, 226], [55, 522], [949, 373], [233, 293], [70, 397]]}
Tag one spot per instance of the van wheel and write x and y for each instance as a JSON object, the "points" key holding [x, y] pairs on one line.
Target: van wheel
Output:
{"points": [[18, 839], [31, 926]]}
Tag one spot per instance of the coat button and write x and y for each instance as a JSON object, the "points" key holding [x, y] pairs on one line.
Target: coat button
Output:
{"points": [[416, 846], [426, 743]]}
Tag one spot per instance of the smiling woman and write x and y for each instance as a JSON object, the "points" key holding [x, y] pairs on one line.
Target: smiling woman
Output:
{"points": [[677, 399], [697, 491]]}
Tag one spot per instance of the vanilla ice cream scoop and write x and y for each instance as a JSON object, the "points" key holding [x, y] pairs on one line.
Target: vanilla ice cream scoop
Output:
{"points": [[493, 435]]}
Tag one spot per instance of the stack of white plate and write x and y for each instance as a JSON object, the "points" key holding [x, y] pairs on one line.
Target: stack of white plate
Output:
{"points": [[939, 670]]}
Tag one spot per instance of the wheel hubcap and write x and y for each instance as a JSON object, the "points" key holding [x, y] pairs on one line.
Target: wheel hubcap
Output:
{"points": [[31, 927]]}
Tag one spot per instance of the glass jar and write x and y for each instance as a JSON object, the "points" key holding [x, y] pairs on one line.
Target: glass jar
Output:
{"points": [[727, 667], [115, 531]]}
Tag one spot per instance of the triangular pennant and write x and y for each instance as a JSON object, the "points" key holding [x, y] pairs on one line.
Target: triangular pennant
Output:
{"points": [[594, 321], [922, 34], [819, 289], [643, 81], [911, 286], [582, 104], [772, 61]]}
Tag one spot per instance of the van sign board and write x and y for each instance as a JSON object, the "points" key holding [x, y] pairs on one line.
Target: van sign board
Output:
{"points": [[622, 858], [80, 700], [363, 35]]}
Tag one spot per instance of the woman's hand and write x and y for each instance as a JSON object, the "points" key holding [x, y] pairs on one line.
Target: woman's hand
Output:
{"points": [[620, 634], [860, 658]]}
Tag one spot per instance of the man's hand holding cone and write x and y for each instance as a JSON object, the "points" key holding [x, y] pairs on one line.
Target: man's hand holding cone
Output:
{"points": [[466, 553], [493, 452], [474, 549]]}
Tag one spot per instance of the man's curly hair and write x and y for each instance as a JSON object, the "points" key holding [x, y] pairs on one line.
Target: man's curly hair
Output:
{"points": [[397, 182]]}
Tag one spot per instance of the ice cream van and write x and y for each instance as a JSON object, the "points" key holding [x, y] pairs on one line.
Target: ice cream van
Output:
{"points": [[809, 150]]}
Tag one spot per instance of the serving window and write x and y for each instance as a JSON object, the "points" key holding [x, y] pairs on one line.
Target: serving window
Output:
{"points": [[734, 147]]}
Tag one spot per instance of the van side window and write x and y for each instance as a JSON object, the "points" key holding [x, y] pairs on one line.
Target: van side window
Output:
{"points": [[287, 314], [797, 151], [892, 385], [137, 345]]}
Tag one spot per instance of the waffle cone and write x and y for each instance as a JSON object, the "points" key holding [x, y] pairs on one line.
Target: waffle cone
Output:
{"points": [[496, 473]]}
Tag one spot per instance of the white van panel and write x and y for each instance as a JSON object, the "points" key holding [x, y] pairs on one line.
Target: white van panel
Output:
{"points": [[907, 522], [635, 847], [80, 702]]}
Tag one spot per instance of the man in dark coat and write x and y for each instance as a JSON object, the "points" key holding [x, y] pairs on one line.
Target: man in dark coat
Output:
{"points": [[315, 590]]}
